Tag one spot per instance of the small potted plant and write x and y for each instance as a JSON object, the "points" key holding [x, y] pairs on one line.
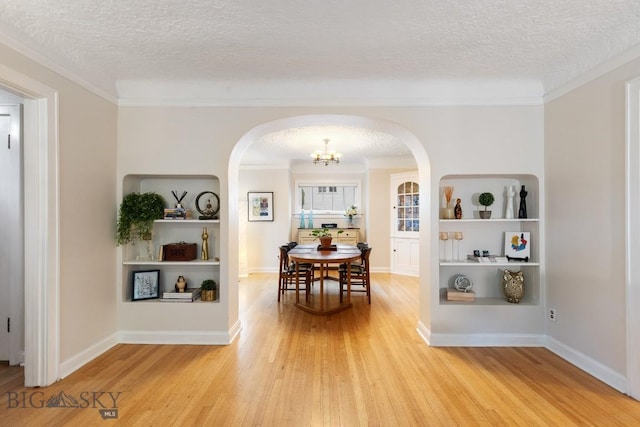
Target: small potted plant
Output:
{"points": [[208, 288], [486, 200], [136, 216], [324, 235]]}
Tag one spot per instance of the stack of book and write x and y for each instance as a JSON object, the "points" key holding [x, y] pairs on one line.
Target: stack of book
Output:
{"points": [[453, 295], [189, 295], [488, 259], [177, 213]]}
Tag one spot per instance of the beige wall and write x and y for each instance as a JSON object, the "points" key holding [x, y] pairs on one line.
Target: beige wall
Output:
{"points": [[585, 171], [87, 166]]}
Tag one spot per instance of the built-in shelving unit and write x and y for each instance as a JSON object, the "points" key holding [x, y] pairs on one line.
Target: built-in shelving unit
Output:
{"points": [[479, 234], [172, 322]]}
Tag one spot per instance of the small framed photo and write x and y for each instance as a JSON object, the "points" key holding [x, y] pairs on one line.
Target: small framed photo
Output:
{"points": [[517, 244], [260, 206], [146, 285]]}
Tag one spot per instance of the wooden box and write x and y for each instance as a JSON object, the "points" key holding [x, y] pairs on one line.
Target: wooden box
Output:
{"points": [[179, 252]]}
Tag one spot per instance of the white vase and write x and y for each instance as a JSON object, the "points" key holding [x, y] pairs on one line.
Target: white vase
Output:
{"points": [[510, 192]]}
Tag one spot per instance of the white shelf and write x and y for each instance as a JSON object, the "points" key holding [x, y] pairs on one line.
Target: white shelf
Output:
{"points": [[487, 301], [490, 220], [165, 263], [487, 264], [188, 221]]}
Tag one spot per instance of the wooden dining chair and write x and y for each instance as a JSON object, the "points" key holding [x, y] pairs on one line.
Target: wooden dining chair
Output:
{"points": [[359, 273], [288, 273]]}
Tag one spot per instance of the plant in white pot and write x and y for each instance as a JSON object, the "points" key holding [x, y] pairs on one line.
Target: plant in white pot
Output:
{"points": [[486, 200]]}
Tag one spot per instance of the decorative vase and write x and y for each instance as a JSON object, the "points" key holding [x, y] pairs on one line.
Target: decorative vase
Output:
{"points": [[511, 192], [447, 213], [485, 214], [208, 295], [310, 219], [325, 242], [302, 220], [513, 285], [350, 222]]}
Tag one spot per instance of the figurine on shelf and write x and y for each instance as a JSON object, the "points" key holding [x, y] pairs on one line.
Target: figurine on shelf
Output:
{"points": [[181, 284], [457, 211], [522, 212], [205, 244]]}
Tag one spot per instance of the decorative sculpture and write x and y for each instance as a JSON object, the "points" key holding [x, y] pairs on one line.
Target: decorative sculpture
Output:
{"points": [[513, 285], [457, 211], [522, 212], [205, 244]]}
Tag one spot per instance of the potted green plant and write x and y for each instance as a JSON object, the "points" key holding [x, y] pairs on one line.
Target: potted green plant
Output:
{"points": [[208, 288], [486, 200], [324, 235], [136, 216]]}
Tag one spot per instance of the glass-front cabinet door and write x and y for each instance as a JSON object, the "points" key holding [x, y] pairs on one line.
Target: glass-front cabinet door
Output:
{"points": [[408, 207], [405, 223]]}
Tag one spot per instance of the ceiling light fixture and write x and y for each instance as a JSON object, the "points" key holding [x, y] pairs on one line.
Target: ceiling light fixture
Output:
{"points": [[326, 156]]}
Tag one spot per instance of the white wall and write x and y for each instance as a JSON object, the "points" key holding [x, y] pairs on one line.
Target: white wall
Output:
{"points": [[585, 171], [87, 165], [264, 238]]}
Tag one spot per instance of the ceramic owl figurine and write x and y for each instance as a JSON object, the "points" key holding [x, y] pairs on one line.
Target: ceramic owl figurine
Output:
{"points": [[513, 285]]}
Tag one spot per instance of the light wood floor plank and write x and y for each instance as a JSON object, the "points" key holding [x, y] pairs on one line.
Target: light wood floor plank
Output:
{"points": [[366, 366]]}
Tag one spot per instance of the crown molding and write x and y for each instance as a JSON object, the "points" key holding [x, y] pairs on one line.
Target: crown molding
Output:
{"points": [[324, 93], [12, 41], [594, 73]]}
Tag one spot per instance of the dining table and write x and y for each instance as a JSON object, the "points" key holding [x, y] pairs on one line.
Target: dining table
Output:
{"points": [[323, 258]]}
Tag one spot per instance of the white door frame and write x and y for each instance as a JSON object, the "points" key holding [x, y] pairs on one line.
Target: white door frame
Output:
{"points": [[41, 236], [632, 220]]}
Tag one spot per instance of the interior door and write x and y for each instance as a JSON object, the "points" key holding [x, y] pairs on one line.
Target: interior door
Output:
{"points": [[405, 224], [12, 236], [5, 226]]}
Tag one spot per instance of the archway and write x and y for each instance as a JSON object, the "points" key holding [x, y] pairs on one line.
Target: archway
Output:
{"points": [[409, 139]]}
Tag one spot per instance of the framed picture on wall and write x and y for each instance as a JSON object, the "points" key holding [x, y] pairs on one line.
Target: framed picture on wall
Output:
{"points": [[260, 206], [146, 285], [517, 245]]}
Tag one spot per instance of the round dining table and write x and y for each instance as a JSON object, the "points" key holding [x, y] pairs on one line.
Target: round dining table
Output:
{"points": [[313, 254]]}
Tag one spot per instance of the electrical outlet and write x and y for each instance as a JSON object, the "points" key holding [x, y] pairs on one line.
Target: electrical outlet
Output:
{"points": [[553, 315]]}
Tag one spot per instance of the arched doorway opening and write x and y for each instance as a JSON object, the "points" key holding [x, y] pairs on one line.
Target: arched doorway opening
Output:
{"points": [[416, 148]]}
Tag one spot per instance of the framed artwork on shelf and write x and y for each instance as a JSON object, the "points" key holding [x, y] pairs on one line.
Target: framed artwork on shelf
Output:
{"points": [[146, 285], [517, 245], [260, 206]]}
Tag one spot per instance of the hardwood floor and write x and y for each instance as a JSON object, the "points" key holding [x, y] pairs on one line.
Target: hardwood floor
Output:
{"points": [[364, 366]]}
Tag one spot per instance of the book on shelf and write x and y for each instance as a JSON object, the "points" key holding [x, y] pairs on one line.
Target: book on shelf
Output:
{"points": [[189, 293], [453, 295], [179, 299], [488, 259], [177, 213]]}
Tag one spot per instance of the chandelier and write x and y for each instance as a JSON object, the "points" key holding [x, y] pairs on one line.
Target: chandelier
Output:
{"points": [[325, 156]]}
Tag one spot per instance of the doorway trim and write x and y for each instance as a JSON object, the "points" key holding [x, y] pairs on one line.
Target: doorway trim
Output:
{"points": [[632, 221], [41, 234]]}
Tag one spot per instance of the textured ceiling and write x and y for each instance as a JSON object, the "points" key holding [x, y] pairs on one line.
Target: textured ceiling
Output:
{"points": [[289, 147], [285, 49], [111, 41]]}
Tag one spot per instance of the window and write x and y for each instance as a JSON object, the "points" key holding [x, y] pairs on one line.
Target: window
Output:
{"points": [[325, 198]]}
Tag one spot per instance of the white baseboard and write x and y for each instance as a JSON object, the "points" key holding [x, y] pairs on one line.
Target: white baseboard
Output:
{"points": [[587, 364], [175, 337], [580, 360], [79, 360], [487, 340], [424, 332]]}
